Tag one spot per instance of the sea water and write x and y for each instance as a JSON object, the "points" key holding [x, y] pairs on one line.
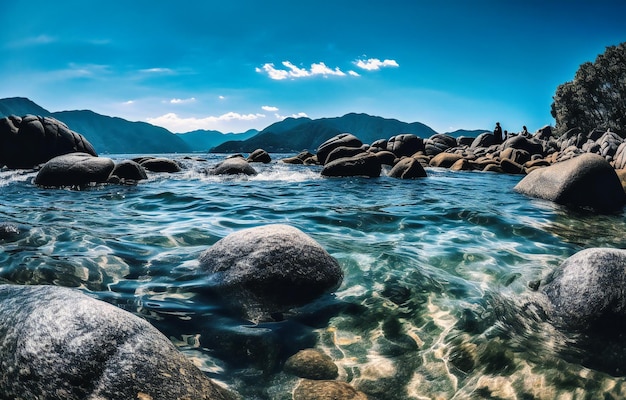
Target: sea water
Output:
{"points": [[431, 305]]}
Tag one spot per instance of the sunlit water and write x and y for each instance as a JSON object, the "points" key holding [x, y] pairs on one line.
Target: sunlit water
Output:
{"points": [[431, 306]]}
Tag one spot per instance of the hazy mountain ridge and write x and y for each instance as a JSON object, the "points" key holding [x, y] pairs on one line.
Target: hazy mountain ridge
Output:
{"points": [[116, 135]]}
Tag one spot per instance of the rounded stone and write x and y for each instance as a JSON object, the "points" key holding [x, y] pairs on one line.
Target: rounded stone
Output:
{"points": [[74, 169], [311, 364], [326, 390]]}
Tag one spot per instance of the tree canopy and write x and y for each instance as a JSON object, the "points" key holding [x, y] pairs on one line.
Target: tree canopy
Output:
{"points": [[596, 98]]}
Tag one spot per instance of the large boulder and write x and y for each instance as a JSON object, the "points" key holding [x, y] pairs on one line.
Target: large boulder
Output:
{"points": [[405, 145], [29, 141], [520, 142], [127, 171], [260, 156], [587, 291], [74, 169], [311, 364], [363, 164], [485, 139], [407, 168], [586, 181], [159, 164], [343, 140], [270, 269], [232, 166], [57, 343]]}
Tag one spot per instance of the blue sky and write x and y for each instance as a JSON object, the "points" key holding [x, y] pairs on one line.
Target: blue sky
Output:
{"points": [[235, 65]]}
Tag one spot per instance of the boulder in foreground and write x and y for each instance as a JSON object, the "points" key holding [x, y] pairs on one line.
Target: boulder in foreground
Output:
{"points": [[270, 269], [74, 169], [57, 343], [233, 166], [587, 290], [364, 164], [586, 181]]}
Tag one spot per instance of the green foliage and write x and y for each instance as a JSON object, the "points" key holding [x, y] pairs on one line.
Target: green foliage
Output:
{"points": [[596, 98]]}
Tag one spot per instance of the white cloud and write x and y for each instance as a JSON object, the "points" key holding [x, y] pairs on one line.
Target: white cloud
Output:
{"points": [[183, 101], [156, 71], [270, 108], [298, 115], [221, 97], [374, 64], [353, 73], [175, 123], [129, 102], [293, 71]]}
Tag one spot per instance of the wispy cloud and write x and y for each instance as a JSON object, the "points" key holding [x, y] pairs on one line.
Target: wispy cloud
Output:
{"points": [[183, 101], [374, 64], [175, 123], [292, 71], [298, 115], [157, 71], [270, 108]]}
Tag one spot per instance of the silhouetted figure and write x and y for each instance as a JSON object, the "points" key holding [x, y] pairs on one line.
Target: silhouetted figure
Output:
{"points": [[524, 131], [497, 134]]}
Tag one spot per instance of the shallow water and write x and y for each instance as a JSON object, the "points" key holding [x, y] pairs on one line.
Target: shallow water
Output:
{"points": [[434, 299]]}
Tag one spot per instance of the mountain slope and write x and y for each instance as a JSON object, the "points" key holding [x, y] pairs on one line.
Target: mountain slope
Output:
{"points": [[303, 133], [203, 140], [21, 106]]}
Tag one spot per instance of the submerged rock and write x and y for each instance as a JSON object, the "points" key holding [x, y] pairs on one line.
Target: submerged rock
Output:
{"points": [[586, 181], [260, 156], [326, 390], [587, 290], [270, 269], [311, 364], [160, 164], [59, 343], [32, 140], [74, 169], [128, 170]]}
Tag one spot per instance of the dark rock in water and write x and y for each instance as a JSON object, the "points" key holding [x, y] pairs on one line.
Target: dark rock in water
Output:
{"points": [[386, 157], [9, 231], [405, 145], [365, 164], [232, 166], [298, 159], [74, 169], [438, 144], [407, 168], [270, 269], [326, 390], [516, 155], [587, 181], [57, 343], [345, 140], [523, 143], [587, 290], [311, 364], [159, 164], [511, 167], [259, 155], [128, 170], [29, 141], [343, 152]]}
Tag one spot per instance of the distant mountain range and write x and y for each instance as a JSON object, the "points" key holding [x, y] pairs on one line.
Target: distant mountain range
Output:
{"points": [[118, 136]]}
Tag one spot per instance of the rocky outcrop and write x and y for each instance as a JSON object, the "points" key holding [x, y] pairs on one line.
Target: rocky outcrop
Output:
{"points": [[232, 166], [270, 269], [343, 140], [26, 142], [159, 164], [587, 181], [74, 169], [405, 145], [363, 164], [59, 343], [127, 171]]}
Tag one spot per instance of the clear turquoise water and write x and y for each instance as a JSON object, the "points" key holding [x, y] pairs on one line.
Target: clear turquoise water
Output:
{"points": [[429, 264]]}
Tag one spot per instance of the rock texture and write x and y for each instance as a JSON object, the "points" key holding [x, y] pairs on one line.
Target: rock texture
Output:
{"points": [[270, 269], [26, 142], [74, 169], [586, 181], [232, 166], [311, 364], [363, 164], [57, 343]]}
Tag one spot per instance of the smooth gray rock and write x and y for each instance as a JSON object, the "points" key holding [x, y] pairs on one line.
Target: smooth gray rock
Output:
{"points": [[343, 152], [26, 142], [57, 343], [269, 269], [74, 169], [160, 164], [405, 145], [364, 164], [233, 166], [586, 181], [259, 155], [129, 170], [587, 290]]}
